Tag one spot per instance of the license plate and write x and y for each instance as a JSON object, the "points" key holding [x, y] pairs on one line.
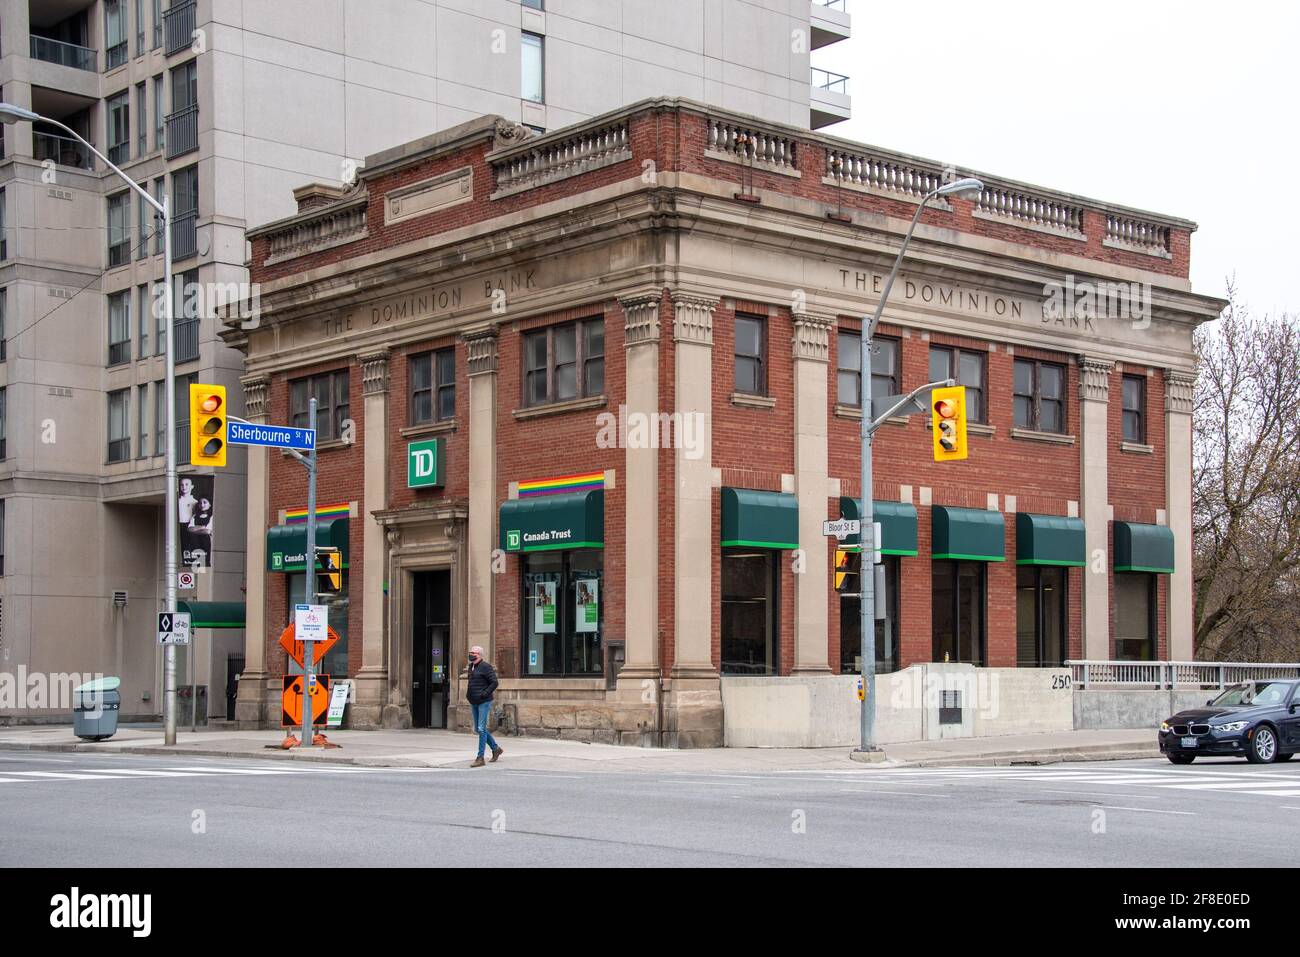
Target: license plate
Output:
{"points": [[1189, 742]]}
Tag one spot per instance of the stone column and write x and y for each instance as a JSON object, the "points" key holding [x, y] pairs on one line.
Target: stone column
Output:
{"points": [[252, 706], [693, 709], [482, 349], [1178, 505], [372, 679], [811, 358], [1094, 390]]}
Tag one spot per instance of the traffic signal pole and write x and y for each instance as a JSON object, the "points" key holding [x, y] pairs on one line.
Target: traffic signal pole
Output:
{"points": [[309, 582]]}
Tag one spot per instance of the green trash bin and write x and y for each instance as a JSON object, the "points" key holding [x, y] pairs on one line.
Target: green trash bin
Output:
{"points": [[95, 707]]}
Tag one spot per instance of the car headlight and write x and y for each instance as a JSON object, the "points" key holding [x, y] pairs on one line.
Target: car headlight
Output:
{"points": [[1230, 726], [1164, 725]]}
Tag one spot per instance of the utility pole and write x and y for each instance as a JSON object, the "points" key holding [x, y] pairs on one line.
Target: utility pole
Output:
{"points": [[309, 586]]}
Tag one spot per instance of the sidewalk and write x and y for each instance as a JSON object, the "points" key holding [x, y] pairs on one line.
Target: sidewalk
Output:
{"points": [[424, 748]]}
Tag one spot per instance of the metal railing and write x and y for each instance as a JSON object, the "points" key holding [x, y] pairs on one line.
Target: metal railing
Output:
{"points": [[63, 150], [186, 340], [182, 131], [178, 26], [185, 235], [828, 81], [115, 55], [1171, 674], [64, 54], [835, 4]]}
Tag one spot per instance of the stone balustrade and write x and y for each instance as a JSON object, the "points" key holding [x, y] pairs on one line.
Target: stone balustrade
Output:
{"points": [[554, 159], [1144, 236], [1024, 208], [883, 174], [312, 232], [751, 143]]}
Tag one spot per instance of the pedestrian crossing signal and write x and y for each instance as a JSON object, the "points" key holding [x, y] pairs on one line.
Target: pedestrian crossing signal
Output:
{"points": [[949, 423], [207, 424], [330, 576], [848, 570]]}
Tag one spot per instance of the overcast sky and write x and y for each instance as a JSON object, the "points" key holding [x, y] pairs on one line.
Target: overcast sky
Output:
{"points": [[1187, 108]]}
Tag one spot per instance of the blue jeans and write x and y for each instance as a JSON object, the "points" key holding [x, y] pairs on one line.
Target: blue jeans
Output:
{"points": [[481, 712]]}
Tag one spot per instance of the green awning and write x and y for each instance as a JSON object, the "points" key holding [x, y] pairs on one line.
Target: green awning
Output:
{"points": [[897, 524], [759, 519], [1049, 540], [547, 522], [1143, 548], [213, 614], [967, 534], [286, 545]]}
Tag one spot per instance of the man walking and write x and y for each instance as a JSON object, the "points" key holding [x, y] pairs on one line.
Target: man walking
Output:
{"points": [[482, 686]]}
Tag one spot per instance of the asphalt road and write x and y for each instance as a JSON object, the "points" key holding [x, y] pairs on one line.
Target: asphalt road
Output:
{"points": [[69, 809]]}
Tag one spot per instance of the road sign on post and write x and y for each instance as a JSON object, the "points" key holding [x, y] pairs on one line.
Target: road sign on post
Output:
{"points": [[273, 436], [174, 628], [841, 528]]}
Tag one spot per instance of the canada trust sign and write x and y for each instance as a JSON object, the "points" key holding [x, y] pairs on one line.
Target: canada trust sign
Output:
{"points": [[432, 302]]}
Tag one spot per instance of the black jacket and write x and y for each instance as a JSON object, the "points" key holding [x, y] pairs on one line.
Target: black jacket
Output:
{"points": [[482, 683]]}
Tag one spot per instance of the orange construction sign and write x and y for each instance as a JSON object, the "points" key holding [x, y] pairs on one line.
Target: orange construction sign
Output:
{"points": [[291, 701], [294, 648]]}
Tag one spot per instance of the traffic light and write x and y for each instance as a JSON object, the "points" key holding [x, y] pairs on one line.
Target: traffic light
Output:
{"points": [[207, 424], [329, 579], [949, 423], [848, 570]]}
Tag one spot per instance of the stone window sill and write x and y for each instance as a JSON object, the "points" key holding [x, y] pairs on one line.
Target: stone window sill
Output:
{"points": [[1137, 448], [1053, 438], [746, 400], [559, 408], [428, 428]]}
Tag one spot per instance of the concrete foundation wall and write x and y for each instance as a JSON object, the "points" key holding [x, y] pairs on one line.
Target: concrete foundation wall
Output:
{"points": [[1133, 709]]}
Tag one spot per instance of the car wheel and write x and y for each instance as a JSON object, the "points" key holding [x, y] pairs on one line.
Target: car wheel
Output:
{"points": [[1181, 758], [1263, 746], [1285, 757]]}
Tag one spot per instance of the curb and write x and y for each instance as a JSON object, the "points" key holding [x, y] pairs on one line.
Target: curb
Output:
{"points": [[1014, 759]]}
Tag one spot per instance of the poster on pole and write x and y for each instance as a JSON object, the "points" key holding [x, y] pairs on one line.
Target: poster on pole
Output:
{"points": [[194, 508], [587, 607], [544, 608]]}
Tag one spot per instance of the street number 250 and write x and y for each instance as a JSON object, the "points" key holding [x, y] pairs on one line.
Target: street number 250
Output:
{"points": [[1060, 681]]}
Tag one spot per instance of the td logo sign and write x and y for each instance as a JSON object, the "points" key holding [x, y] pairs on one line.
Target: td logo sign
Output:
{"points": [[426, 464], [512, 540]]}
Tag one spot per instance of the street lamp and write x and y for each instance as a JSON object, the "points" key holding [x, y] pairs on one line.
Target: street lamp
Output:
{"points": [[967, 188], [10, 114]]}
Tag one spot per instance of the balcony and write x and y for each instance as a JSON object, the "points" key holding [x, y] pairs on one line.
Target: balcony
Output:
{"points": [[829, 21], [185, 235], [64, 54], [179, 22], [63, 150], [182, 131], [829, 99], [186, 341]]}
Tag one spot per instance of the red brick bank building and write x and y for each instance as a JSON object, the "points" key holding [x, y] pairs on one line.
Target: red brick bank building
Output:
{"points": [[587, 397]]}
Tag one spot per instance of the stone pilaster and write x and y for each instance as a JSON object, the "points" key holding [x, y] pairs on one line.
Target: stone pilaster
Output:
{"points": [[482, 362], [372, 679], [812, 335], [253, 707], [693, 708], [1094, 393], [1179, 388]]}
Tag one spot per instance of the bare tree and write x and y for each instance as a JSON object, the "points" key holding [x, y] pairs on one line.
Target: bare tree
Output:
{"points": [[1246, 487]]}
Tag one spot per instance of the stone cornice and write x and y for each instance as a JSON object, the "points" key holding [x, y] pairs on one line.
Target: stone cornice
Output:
{"points": [[1094, 378], [482, 348], [812, 336], [693, 317], [374, 372], [1180, 387], [256, 390], [641, 319]]}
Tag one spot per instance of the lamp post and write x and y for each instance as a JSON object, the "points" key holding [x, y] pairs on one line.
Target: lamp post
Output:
{"points": [[10, 114], [967, 188]]}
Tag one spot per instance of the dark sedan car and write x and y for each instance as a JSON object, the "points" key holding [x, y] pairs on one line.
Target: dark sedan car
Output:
{"points": [[1258, 719]]}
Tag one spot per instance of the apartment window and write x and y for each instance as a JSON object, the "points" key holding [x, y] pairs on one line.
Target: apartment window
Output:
{"points": [[156, 306], [332, 403], [157, 24], [559, 590], [142, 405], [139, 27], [182, 414], [185, 86], [185, 212], [158, 190], [119, 229], [142, 223], [160, 416], [533, 66], [141, 119], [2, 531], [1040, 616], [1135, 616], [750, 615], [534, 4], [968, 369], [188, 298], [114, 33], [4, 342], [158, 116], [3, 427], [1135, 405], [145, 321], [884, 368], [119, 426], [4, 233], [119, 128], [119, 327], [433, 386], [564, 362], [751, 353], [1039, 395], [957, 611]]}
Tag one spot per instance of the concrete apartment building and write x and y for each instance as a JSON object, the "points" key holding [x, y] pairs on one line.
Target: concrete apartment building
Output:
{"points": [[228, 106]]}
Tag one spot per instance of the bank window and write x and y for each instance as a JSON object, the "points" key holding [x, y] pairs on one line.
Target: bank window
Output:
{"points": [[1134, 399], [335, 662], [957, 611], [564, 362], [433, 386], [968, 369], [884, 368], [119, 426], [532, 67], [1040, 616], [563, 612], [751, 611], [1135, 616], [119, 327], [751, 354], [886, 628], [332, 403], [1039, 395]]}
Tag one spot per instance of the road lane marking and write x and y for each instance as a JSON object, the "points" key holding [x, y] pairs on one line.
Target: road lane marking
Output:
{"points": [[920, 794], [1148, 810]]}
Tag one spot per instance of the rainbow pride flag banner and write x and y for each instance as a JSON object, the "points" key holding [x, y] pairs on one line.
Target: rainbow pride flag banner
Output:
{"points": [[586, 482], [298, 516]]}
